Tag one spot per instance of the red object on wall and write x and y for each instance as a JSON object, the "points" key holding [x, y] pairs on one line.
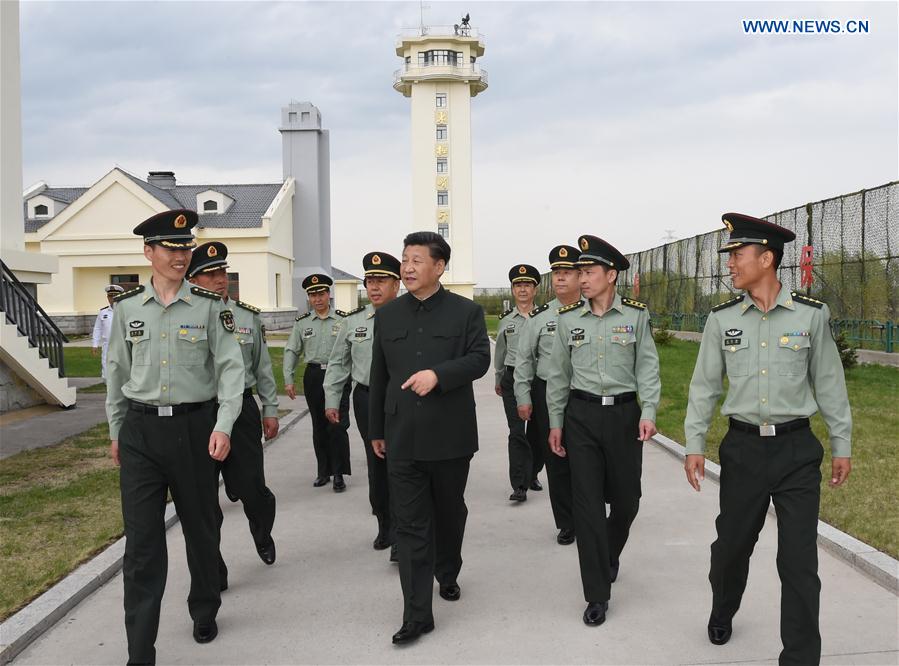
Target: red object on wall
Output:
{"points": [[805, 265], [636, 285]]}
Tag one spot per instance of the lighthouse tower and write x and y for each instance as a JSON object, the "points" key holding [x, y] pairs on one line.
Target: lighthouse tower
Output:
{"points": [[440, 74]]}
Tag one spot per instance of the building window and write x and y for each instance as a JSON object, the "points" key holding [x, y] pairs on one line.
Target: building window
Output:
{"points": [[41, 209], [440, 57], [277, 290], [443, 230], [234, 286], [291, 116], [125, 280], [210, 206], [442, 166], [441, 132], [441, 100], [443, 198]]}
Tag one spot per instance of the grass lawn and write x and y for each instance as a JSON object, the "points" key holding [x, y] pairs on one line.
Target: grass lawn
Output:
{"points": [[492, 324], [866, 506], [80, 363], [58, 507]]}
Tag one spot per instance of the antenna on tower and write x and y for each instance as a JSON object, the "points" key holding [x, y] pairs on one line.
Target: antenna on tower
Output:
{"points": [[669, 236], [421, 17]]}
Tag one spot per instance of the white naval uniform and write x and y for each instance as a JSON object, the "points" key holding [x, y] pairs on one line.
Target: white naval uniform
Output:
{"points": [[102, 328]]}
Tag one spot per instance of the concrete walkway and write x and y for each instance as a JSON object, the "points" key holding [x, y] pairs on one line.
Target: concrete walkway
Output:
{"points": [[331, 599]]}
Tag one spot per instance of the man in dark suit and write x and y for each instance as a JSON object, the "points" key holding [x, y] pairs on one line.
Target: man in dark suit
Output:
{"points": [[429, 346]]}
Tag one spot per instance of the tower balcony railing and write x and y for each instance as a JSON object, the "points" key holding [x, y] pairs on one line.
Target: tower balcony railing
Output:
{"points": [[472, 72], [442, 31]]}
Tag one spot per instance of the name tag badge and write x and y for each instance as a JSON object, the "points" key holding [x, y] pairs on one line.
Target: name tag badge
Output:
{"points": [[361, 331], [577, 335], [732, 341], [308, 333], [550, 327]]}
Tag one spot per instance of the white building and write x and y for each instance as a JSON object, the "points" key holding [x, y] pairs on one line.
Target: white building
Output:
{"points": [[440, 75]]}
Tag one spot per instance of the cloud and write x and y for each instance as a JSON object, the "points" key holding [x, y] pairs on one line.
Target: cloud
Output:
{"points": [[620, 119]]}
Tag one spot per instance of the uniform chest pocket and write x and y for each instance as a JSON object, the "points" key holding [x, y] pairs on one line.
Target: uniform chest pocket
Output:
{"points": [[579, 344], [792, 354], [396, 336], [736, 356], [445, 342], [191, 347], [623, 348], [140, 346]]}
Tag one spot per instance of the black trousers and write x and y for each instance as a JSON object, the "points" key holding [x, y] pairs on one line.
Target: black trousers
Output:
{"points": [[558, 471], [330, 440], [378, 492], [428, 500], [787, 470], [159, 454], [525, 450], [244, 474], [606, 466]]}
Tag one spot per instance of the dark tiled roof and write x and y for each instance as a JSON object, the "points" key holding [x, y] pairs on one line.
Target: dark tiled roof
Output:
{"points": [[250, 202], [338, 274]]}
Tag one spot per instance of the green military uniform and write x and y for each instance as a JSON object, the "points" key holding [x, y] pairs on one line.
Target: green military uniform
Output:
{"points": [[167, 366], [313, 337], [244, 468], [535, 344], [597, 367], [781, 366], [525, 451]]}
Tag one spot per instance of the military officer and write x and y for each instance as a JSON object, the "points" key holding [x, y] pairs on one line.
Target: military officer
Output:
{"points": [[172, 355], [243, 469], [525, 453], [351, 358], [535, 345], [603, 356], [103, 326], [782, 365], [430, 346], [313, 336]]}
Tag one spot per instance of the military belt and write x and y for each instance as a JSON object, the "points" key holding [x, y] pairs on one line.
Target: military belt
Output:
{"points": [[166, 410], [771, 429], [604, 400], [321, 366], [510, 368], [248, 393]]}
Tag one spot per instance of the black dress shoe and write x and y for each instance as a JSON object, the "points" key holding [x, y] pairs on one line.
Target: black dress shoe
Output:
{"points": [[205, 632], [519, 495], [613, 570], [394, 556], [321, 481], [535, 485], [339, 484], [719, 634], [267, 551], [411, 631], [381, 542], [566, 536], [595, 614], [450, 591]]}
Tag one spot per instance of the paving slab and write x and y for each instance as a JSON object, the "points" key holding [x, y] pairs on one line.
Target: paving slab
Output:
{"points": [[331, 599], [51, 428]]}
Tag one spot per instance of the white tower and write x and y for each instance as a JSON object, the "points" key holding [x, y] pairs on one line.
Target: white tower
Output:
{"points": [[440, 74]]}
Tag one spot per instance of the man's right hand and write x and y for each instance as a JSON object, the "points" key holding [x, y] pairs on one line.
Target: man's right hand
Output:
{"points": [[524, 412], [555, 442], [291, 391], [499, 390], [114, 452], [694, 466], [333, 415], [379, 446]]}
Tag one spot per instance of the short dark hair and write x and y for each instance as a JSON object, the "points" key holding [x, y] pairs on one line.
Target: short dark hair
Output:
{"points": [[437, 246], [778, 254]]}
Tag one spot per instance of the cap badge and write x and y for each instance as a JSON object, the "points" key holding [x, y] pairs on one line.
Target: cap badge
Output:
{"points": [[211, 251], [314, 279], [180, 222], [522, 270], [563, 252], [584, 244], [376, 260]]}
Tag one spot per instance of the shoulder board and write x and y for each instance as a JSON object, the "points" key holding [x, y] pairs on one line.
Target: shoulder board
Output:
{"points": [[537, 311], [352, 312], [569, 308], [303, 316], [128, 294], [727, 304], [247, 306], [340, 313], [105, 307], [199, 291], [807, 300], [633, 304], [506, 313]]}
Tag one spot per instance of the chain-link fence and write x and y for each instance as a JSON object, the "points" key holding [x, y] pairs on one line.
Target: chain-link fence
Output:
{"points": [[854, 267]]}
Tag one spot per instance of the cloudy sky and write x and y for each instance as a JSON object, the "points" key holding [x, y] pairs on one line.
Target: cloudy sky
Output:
{"points": [[620, 119]]}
